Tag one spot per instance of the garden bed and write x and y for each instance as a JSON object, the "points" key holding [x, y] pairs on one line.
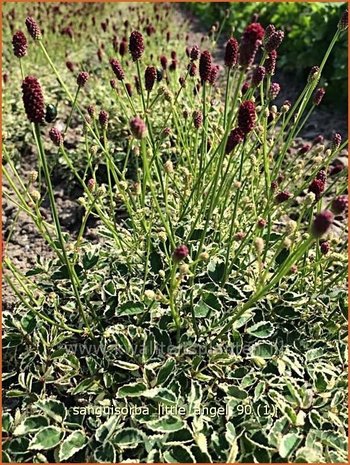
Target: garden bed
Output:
{"points": [[175, 272]]}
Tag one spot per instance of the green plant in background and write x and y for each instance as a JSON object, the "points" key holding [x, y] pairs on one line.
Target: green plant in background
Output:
{"points": [[307, 25], [208, 322]]}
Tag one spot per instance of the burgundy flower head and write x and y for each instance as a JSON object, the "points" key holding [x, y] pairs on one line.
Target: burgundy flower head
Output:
{"points": [[247, 52], [282, 196], [270, 29], [322, 222], [192, 69], [231, 52], [343, 22], [103, 118], [245, 87], [274, 90], [270, 63], [70, 66], [304, 149], [322, 175], [235, 137], [182, 81], [317, 187], [150, 77], [250, 42], [194, 53], [340, 204], [318, 140], [163, 61], [205, 64], [138, 128], [274, 41], [33, 28], [128, 89], [20, 44], [33, 99], [117, 69], [91, 111], [336, 168], [136, 45], [246, 116], [336, 141], [82, 78], [56, 137], [324, 247], [214, 73], [318, 95], [258, 75], [123, 46], [197, 119], [173, 65], [254, 32], [261, 223], [180, 253]]}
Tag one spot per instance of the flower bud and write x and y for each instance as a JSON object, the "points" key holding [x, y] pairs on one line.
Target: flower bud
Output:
{"points": [[33, 99], [204, 256], [270, 63], [168, 167], [138, 128], [82, 78], [35, 195], [162, 236], [258, 76], [117, 69], [291, 227], [180, 253], [339, 204], [197, 119], [343, 22], [235, 137], [20, 44], [282, 196], [194, 54], [231, 52], [321, 224], [205, 64], [56, 137], [324, 247], [33, 28], [274, 90], [136, 45], [91, 185], [314, 74], [103, 118], [246, 116], [33, 176], [150, 77], [184, 269], [149, 294], [274, 41], [259, 245], [336, 141], [318, 96]]}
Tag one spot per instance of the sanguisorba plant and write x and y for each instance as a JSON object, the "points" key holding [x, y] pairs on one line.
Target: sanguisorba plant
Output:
{"points": [[221, 206], [214, 197]]}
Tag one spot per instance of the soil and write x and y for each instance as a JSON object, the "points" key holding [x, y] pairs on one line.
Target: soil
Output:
{"points": [[25, 244]]}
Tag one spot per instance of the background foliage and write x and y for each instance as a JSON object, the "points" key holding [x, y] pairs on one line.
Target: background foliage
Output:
{"points": [[308, 27]]}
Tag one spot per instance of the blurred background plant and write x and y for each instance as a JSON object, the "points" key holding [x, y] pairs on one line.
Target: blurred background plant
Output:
{"points": [[307, 26]]}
